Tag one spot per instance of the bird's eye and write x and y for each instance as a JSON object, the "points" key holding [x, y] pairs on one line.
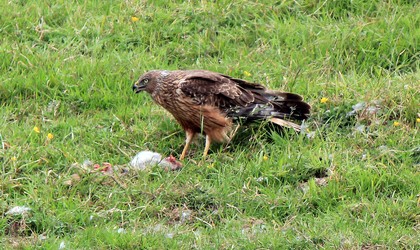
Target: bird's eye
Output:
{"points": [[145, 81]]}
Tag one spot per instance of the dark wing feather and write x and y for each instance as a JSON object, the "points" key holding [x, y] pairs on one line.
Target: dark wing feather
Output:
{"points": [[240, 99], [208, 88]]}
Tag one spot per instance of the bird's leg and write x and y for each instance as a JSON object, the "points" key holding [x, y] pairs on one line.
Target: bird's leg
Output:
{"points": [[190, 136], [207, 147]]}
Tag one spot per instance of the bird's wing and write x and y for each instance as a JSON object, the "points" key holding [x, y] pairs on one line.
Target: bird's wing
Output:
{"points": [[208, 88]]}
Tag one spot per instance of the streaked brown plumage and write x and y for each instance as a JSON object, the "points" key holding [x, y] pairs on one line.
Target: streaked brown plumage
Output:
{"points": [[208, 102]]}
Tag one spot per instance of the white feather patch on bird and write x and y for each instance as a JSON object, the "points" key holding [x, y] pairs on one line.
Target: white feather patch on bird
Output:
{"points": [[164, 73]]}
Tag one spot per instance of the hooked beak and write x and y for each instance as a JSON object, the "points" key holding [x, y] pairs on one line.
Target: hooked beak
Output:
{"points": [[138, 87]]}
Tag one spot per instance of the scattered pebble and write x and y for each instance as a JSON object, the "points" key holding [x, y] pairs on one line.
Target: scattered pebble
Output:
{"points": [[73, 179], [67, 183]]}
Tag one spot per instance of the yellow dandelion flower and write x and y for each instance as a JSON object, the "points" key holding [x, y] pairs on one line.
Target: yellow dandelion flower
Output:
{"points": [[50, 136], [247, 74], [418, 120], [265, 157], [134, 19], [324, 100], [396, 124], [14, 158], [37, 130]]}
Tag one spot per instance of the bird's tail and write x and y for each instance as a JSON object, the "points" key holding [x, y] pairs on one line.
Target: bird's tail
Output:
{"points": [[277, 107]]}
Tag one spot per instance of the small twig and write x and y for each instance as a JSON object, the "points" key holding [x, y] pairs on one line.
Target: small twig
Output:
{"points": [[125, 153], [295, 78], [205, 222], [170, 135], [120, 183]]}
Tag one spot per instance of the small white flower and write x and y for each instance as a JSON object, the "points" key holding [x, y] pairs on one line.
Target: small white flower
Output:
{"points": [[303, 127], [310, 135], [62, 245], [261, 179]]}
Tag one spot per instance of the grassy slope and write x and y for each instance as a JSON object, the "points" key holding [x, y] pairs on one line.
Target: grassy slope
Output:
{"points": [[68, 68]]}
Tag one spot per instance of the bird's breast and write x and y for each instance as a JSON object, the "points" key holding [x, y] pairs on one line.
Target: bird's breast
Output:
{"points": [[170, 100]]}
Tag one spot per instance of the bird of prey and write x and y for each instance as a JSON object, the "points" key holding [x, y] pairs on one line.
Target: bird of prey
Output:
{"points": [[207, 102]]}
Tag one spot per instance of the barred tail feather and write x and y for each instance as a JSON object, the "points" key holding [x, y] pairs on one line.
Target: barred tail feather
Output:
{"points": [[296, 110], [284, 123]]}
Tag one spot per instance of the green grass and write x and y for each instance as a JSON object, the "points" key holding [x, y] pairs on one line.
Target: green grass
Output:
{"points": [[68, 67]]}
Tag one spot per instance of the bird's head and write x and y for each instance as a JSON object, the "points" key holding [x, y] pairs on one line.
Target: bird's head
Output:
{"points": [[147, 82]]}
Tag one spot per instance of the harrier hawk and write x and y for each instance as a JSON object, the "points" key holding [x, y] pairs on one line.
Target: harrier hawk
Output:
{"points": [[207, 102]]}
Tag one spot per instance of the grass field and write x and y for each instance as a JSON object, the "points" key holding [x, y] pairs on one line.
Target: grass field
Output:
{"points": [[350, 180]]}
